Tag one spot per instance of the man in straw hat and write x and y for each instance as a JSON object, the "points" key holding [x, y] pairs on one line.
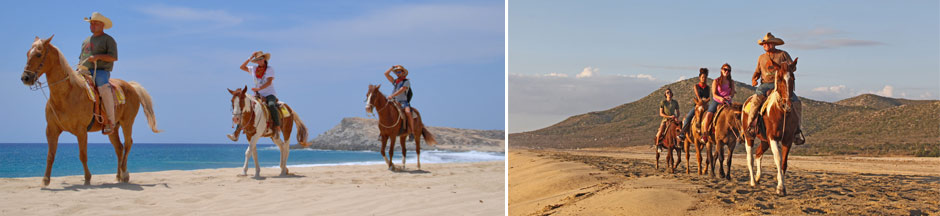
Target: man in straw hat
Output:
{"points": [[99, 52], [765, 73]]}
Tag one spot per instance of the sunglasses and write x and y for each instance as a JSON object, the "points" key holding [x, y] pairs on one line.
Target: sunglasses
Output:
{"points": [[726, 69]]}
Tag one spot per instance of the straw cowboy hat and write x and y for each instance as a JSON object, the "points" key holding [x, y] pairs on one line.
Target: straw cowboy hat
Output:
{"points": [[769, 38], [98, 17], [259, 55]]}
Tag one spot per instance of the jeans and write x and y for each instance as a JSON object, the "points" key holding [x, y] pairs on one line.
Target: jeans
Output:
{"points": [[763, 88], [101, 77], [273, 109], [688, 118]]}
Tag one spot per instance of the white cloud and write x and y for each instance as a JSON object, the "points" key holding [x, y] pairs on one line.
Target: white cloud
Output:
{"points": [[537, 101], [177, 13], [887, 91], [556, 75], [639, 76], [587, 72], [838, 89]]}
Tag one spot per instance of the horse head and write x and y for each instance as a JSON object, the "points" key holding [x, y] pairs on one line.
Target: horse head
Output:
{"points": [[239, 104], [783, 80], [370, 99], [35, 59]]}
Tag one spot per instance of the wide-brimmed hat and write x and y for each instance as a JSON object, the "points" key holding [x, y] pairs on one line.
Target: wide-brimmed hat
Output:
{"points": [[98, 17], [769, 38], [259, 55]]}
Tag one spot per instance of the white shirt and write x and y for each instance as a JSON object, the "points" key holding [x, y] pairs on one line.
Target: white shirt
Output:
{"points": [[264, 79]]}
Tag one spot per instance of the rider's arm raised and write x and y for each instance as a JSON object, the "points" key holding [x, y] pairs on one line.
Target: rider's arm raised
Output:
{"points": [[244, 66], [387, 75]]}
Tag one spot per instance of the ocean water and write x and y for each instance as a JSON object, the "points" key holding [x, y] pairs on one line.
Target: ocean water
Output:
{"points": [[29, 160]]}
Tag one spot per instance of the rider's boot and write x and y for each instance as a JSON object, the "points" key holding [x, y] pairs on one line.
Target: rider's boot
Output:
{"points": [[107, 99], [798, 138], [411, 125], [234, 136], [706, 125]]}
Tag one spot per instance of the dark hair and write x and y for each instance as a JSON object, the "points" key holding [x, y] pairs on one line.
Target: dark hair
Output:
{"points": [[668, 90], [703, 71]]}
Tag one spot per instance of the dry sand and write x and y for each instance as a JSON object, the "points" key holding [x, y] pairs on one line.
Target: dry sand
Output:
{"points": [[625, 182], [441, 189]]}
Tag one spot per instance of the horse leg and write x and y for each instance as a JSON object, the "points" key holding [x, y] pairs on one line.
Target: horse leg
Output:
{"points": [[710, 162], [384, 142], [761, 149], [750, 161], [658, 149], [698, 156], [282, 150], [391, 153], [687, 162], [670, 161], [253, 147], [118, 149], [128, 142], [418, 148], [731, 146], [775, 148], [720, 156], [52, 137], [403, 151], [245, 167], [83, 154]]}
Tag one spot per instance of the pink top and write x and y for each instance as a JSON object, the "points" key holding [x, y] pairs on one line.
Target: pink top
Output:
{"points": [[723, 90]]}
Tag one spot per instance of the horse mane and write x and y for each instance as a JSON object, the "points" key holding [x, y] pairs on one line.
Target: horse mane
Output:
{"points": [[64, 66]]}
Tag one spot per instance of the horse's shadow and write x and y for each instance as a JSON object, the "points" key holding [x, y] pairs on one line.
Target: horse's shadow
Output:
{"points": [[123, 186], [410, 171]]}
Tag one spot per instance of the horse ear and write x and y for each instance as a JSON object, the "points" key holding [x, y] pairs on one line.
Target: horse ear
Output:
{"points": [[46, 41], [230, 91], [37, 38]]}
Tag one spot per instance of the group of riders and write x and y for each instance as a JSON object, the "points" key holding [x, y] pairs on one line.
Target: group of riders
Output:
{"points": [[721, 91], [99, 52]]}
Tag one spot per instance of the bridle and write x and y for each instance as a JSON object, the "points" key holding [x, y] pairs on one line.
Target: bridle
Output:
{"points": [[379, 109]]}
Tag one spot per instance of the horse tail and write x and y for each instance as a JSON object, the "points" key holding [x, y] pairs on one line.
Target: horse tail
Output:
{"points": [[301, 129], [147, 103], [428, 137]]}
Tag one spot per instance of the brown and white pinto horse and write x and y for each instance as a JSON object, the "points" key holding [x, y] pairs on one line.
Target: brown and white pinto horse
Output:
{"points": [[70, 110], [670, 142], [781, 121], [248, 112], [390, 126]]}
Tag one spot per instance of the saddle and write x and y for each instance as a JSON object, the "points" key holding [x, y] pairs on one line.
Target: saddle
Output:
{"points": [[722, 108], [281, 107], [93, 94], [403, 118]]}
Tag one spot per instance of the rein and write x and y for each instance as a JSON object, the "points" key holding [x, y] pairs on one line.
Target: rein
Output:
{"points": [[397, 120]]}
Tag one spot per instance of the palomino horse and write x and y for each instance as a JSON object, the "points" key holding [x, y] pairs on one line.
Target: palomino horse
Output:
{"points": [[70, 110], [670, 143], [781, 119], [248, 112], [693, 136], [725, 133], [390, 126]]}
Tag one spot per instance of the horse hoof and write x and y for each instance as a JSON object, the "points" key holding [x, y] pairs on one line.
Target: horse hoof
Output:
{"points": [[781, 192], [45, 181]]}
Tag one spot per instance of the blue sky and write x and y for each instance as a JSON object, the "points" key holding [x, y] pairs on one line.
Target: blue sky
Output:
{"points": [[326, 53], [623, 50]]}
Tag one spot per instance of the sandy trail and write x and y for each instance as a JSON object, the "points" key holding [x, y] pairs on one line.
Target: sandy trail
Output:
{"points": [[441, 189], [632, 186]]}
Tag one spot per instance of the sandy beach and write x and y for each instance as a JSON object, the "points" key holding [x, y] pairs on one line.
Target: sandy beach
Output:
{"points": [[441, 189], [623, 181]]}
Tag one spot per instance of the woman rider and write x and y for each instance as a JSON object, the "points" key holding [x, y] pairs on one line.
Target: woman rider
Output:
{"points": [[702, 93], [722, 93], [400, 94], [263, 76]]}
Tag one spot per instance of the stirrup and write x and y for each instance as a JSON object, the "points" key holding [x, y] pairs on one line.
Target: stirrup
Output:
{"points": [[411, 137], [799, 140], [107, 129]]}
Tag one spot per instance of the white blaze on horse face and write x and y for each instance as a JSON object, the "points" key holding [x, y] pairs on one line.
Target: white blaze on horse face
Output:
{"points": [[369, 102]]}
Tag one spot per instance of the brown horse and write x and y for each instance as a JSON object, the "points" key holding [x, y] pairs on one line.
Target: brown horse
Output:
{"points": [[670, 143], [727, 123], [70, 110], [249, 114], [781, 121], [390, 126], [693, 136]]}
